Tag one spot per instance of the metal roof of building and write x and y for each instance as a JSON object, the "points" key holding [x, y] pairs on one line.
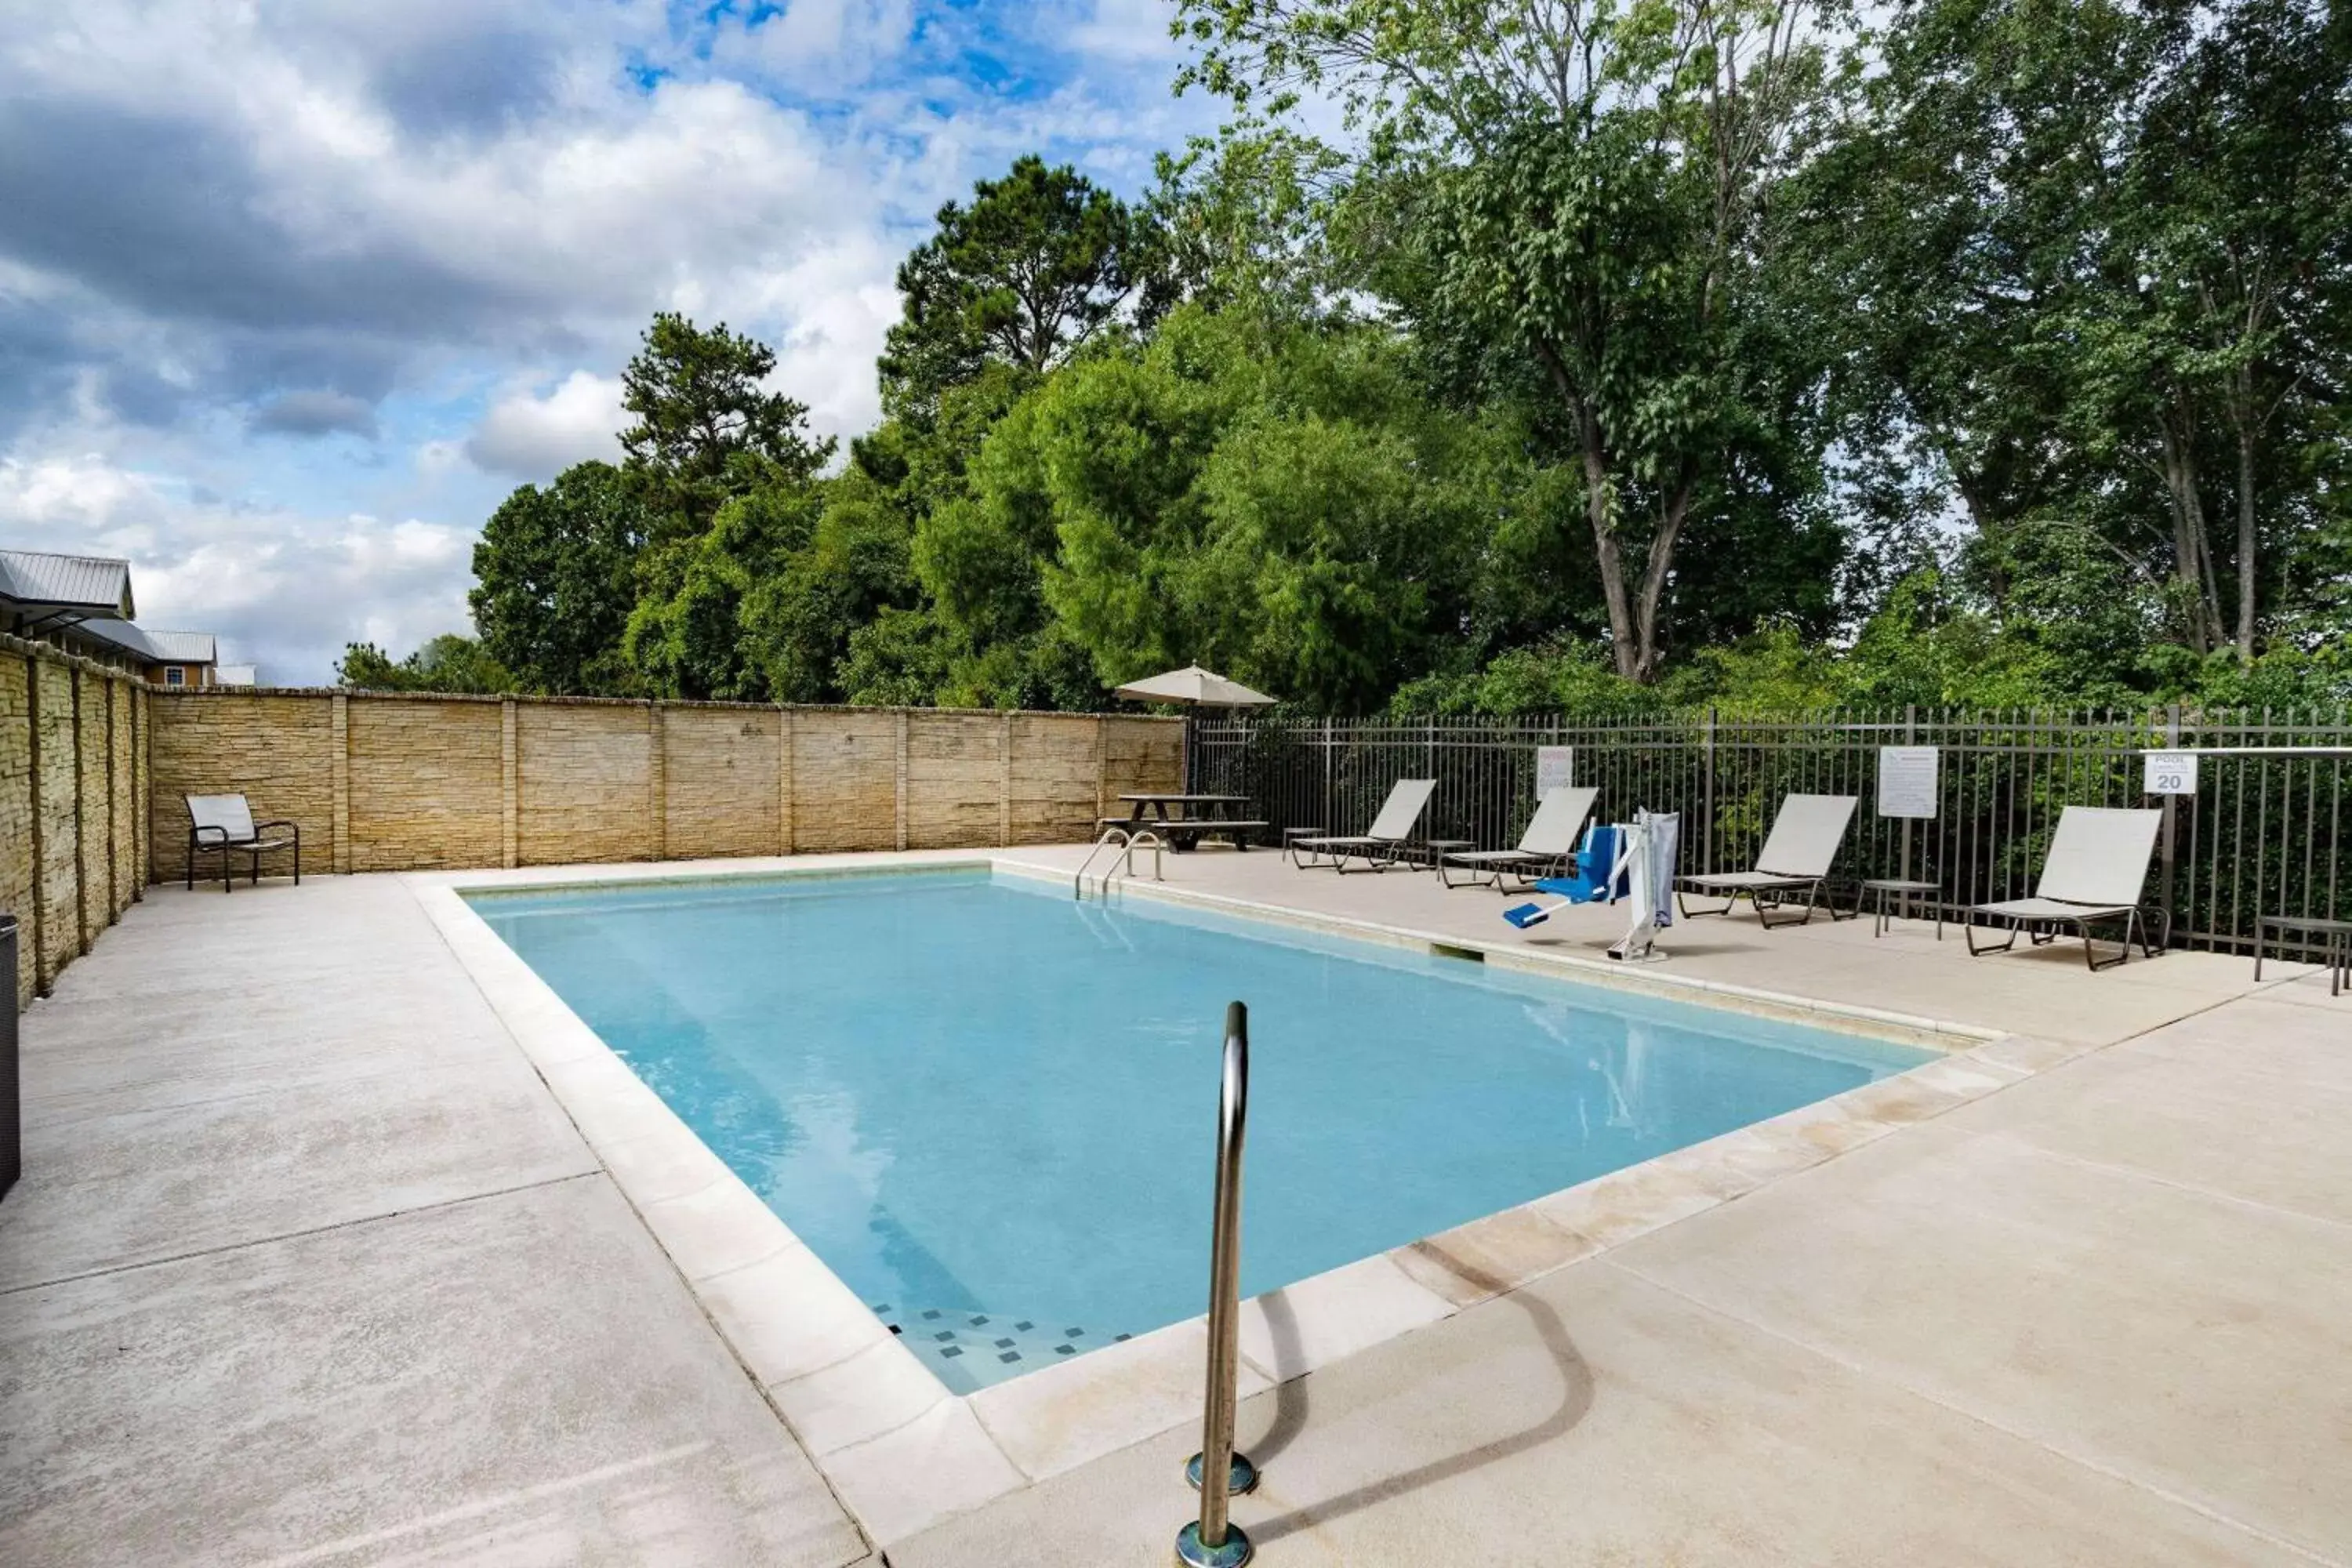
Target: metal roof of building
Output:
{"points": [[183, 647], [122, 634], [39, 580], [161, 647]]}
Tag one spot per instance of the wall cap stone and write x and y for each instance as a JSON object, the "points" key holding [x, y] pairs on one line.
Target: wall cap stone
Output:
{"points": [[218, 693]]}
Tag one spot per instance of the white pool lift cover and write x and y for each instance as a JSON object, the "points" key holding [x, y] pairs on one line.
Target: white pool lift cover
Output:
{"points": [[1201, 688]]}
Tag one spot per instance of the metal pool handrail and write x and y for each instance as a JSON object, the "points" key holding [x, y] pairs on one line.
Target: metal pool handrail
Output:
{"points": [[1214, 1541], [1159, 855], [1131, 841]]}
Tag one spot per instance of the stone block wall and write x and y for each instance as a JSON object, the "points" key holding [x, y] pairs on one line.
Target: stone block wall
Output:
{"points": [[72, 822], [426, 784], [844, 790], [1057, 776], [16, 817], [277, 750], [584, 781], [1143, 755], [94, 763], [722, 771], [395, 783], [957, 785]]}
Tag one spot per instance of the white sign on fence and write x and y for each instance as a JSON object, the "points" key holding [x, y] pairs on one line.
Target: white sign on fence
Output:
{"points": [[1555, 768], [1906, 780], [2172, 772]]}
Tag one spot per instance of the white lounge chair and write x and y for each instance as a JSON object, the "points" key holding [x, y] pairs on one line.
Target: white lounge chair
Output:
{"points": [[1543, 848], [1796, 859], [1379, 846], [223, 825], [2096, 869]]}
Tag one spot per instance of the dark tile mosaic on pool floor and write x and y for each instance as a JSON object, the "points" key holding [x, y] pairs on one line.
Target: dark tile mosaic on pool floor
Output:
{"points": [[957, 1344]]}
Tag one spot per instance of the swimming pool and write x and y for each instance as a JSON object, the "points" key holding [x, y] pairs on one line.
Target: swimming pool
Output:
{"points": [[989, 1110]]}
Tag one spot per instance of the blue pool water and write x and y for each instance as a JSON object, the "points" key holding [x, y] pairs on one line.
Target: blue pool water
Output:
{"points": [[991, 1109]]}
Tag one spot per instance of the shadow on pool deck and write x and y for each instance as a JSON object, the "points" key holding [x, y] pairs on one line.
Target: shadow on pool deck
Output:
{"points": [[1292, 1403]]}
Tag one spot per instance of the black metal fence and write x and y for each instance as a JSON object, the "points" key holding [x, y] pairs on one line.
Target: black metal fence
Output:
{"points": [[2264, 834]]}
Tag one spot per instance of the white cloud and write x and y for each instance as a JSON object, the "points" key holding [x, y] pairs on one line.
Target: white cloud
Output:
{"points": [[302, 217], [841, 302], [827, 47], [531, 436], [62, 497], [278, 587], [1128, 29]]}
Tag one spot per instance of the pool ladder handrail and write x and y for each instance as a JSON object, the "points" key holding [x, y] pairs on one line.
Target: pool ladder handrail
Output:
{"points": [[1122, 839], [1214, 1541]]}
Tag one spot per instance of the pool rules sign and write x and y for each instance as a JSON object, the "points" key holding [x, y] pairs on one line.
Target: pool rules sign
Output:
{"points": [[1906, 781], [1555, 768]]}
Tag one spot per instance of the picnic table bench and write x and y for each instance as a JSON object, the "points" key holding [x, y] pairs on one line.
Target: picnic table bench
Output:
{"points": [[1182, 830]]}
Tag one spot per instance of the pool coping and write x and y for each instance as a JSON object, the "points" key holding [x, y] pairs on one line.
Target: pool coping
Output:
{"points": [[905, 1453]]}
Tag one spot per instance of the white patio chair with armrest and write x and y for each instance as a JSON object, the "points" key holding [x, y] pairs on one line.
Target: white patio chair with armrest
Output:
{"points": [[1543, 848], [2096, 869], [1796, 859], [1379, 846], [224, 824]]}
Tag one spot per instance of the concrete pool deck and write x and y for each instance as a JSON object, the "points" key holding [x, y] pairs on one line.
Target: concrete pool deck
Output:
{"points": [[310, 1266]]}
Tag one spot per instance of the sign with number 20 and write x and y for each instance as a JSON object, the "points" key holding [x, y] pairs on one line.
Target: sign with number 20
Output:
{"points": [[2171, 773]]}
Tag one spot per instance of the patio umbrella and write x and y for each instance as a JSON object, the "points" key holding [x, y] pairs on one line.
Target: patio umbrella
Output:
{"points": [[1191, 684]]}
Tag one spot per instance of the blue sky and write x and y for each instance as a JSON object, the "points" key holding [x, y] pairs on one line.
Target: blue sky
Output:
{"points": [[293, 292]]}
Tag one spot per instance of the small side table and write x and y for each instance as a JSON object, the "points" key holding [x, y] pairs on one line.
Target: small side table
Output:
{"points": [[1877, 890], [1438, 848], [2334, 940], [1291, 835]]}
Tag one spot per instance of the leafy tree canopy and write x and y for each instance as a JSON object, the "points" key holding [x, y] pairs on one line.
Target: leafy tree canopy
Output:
{"points": [[1037, 264], [445, 663], [555, 577], [707, 427], [1758, 354]]}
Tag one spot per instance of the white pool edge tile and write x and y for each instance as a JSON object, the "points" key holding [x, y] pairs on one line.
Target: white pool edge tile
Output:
{"points": [[869, 1417]]}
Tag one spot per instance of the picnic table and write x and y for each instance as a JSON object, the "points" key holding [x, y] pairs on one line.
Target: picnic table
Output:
{"points": [[1158, 804], [1185, 827]]}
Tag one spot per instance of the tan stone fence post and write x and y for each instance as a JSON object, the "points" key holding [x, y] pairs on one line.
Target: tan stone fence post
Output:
{"points": [[73, 786]]}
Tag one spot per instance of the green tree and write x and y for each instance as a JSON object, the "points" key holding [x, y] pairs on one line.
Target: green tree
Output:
{"points": [[693, 641], [727, 472], [2091, 260], [1285, 506], [555, 578], [895, 661], [798, 618], [1039, 263], [1238, 224], [445, 663], [707, 428], [1593, 186], [2241, 186]]}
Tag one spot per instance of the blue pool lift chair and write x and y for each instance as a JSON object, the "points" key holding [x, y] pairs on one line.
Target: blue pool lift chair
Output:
{"points": [[1587, 882]]}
